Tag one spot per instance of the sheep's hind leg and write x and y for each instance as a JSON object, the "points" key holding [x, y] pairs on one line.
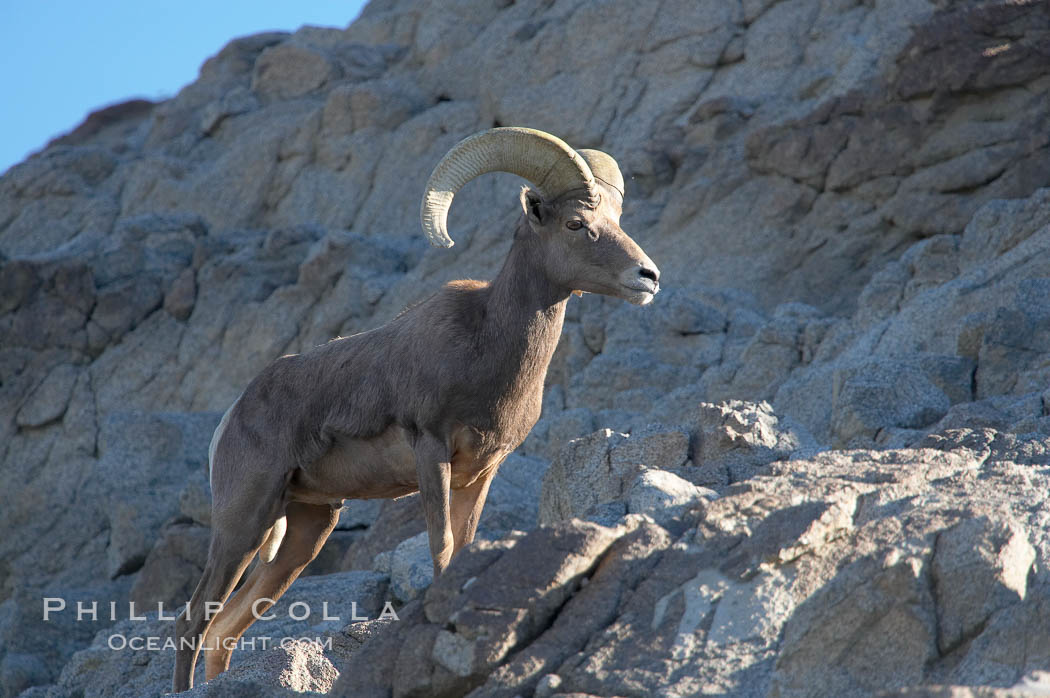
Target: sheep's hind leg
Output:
{"points": [[228, 556], [243, 511], [309, 526]]}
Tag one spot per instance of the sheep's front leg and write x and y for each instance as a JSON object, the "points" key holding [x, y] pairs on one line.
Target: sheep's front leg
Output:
{"points": [[434, 472], [466, 507]]}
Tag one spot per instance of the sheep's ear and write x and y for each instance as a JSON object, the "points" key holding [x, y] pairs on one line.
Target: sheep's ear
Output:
{"points": [[536, 209]]}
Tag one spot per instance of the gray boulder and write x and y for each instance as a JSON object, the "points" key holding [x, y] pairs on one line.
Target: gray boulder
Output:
{"points": [[665, 497], [879, 395], [409, 567], [469, 621], [48, 402], [600, 468], [731, 439], [979, 567]]}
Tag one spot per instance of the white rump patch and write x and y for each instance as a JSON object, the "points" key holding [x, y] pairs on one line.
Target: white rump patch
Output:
{"points": [[216, 437]]}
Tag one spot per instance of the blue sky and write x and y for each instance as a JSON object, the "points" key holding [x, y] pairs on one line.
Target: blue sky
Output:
{"points": [[61, 59]]}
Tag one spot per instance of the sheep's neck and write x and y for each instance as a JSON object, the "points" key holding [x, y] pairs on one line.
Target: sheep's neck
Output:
{"points": [[523, 318]]}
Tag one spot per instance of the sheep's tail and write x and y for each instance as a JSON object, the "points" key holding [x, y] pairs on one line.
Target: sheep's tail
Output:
{"points": [[274, 536]]}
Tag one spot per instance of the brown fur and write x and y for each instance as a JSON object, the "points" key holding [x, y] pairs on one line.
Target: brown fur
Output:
{"points": [[432, 401]]}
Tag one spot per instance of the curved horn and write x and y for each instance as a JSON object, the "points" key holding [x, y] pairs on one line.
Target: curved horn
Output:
{"points": [[544, 160], [604, 167]]}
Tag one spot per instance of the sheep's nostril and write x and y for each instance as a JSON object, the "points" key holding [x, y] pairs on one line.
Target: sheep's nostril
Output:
{"points": [[650, 274]]}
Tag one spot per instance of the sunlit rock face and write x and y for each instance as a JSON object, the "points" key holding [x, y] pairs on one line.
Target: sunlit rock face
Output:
{"points": [[814, 465]]}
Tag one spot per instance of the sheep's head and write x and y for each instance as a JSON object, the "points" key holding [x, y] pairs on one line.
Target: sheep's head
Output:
{"points": [[574, 208]]}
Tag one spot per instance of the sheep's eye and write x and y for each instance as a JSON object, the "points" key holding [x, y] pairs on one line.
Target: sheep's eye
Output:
{"points": [[573, 224]]}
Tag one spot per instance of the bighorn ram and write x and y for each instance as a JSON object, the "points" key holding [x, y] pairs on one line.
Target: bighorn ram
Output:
{"points": [[432, 401]]}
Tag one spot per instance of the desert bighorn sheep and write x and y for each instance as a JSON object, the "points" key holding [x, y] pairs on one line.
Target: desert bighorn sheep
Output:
{"points": [[432, 401]]}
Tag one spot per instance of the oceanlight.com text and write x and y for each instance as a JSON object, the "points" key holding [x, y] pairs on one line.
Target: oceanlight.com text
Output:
{"points": [[155, 643]]}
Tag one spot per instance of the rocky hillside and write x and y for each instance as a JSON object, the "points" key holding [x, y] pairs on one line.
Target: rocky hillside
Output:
{"points": [[816, 465]]}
